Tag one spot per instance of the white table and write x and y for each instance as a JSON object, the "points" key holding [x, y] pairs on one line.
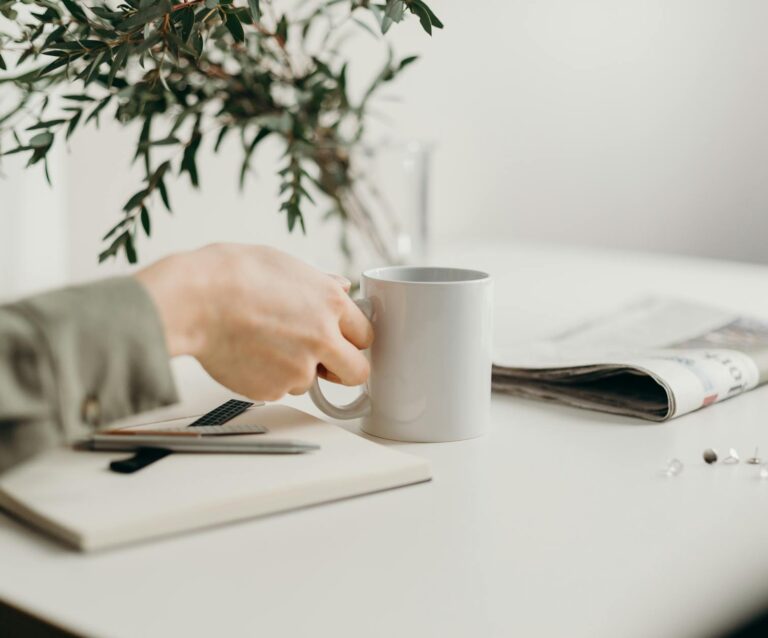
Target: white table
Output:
{"points": [[557, 523]]}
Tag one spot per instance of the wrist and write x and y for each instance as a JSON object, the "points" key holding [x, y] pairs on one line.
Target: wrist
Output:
{"points": [[178, 295]]}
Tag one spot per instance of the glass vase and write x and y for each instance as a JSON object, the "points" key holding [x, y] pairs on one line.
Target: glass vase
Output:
{"points": [[387, 206]]}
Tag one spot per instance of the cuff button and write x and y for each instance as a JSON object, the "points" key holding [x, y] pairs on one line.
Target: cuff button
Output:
{"points": [[91, 411]]}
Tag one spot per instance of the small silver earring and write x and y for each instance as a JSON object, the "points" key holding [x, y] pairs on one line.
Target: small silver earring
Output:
{"points": [[732, 458], [754, 460]]}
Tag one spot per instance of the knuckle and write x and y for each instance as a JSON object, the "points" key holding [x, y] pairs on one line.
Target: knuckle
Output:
{"points": [[310, 372], [305, 373], [316, 340], [274, 391], [298, 368], [323, 339], [273, 395], [336, 298], [360, 374], [302, 385]]}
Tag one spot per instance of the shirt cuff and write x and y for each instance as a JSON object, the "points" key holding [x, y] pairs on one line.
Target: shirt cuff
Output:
{"points": [[107, 349]]}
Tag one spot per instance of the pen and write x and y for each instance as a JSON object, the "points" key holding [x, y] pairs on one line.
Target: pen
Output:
{"points": [[196, 432], [116, 443]]}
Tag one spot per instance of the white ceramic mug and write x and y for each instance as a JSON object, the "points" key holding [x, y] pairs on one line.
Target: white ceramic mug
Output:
{"points": [[431, 357]]}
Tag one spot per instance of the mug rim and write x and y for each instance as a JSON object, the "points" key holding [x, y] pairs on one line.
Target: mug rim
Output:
{"points": [[468, 276]]}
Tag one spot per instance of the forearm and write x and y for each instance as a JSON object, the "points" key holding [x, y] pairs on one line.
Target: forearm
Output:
{"points": [[75, 359], [177, 286]]}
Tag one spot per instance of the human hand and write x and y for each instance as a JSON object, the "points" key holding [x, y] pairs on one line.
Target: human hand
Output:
{"points": [[259, 321]]}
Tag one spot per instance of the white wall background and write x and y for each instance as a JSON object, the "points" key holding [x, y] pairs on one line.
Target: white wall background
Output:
{"points": [[34, 246], [638, 124]]}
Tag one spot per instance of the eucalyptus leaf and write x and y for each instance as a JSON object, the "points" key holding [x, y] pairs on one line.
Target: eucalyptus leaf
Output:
{"points": [[188, 73], [235, 28], [145, 222], [130, 250], [255, 9], [41, 140]]}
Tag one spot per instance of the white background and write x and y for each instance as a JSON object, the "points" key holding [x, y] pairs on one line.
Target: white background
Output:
{"points": [[603, 122]]}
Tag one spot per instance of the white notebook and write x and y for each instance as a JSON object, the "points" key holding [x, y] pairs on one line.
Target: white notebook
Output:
{"points": [[73, 495]]}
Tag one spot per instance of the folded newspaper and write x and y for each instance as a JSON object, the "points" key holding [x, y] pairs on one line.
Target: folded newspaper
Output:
{"points": [[655, 359]]}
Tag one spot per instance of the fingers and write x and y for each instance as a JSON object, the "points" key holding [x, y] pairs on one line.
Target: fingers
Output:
{"points": [[353, 323], [348, 364], [323, 373], [355, 326]]}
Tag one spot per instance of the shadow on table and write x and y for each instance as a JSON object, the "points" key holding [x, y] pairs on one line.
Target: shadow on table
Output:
{"points": [[15, 622], [756, 627], [573, 414], [31, 534]]}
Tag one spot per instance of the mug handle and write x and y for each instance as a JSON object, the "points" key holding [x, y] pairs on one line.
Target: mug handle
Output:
{"points": [[361, 406]]}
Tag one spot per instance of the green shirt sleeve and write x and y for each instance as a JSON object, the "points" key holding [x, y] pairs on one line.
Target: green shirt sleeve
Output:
{"points": [[75, 359]]}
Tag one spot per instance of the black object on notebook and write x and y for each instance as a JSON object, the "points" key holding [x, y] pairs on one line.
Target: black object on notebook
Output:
{"points": [[144, 456], [225, 412]]}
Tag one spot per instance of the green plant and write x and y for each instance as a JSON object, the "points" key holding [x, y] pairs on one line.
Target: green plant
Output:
{"points": [[192, 70]]}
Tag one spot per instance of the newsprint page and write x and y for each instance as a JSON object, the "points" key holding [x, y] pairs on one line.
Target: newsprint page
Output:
{"points": [[656, 359]]}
